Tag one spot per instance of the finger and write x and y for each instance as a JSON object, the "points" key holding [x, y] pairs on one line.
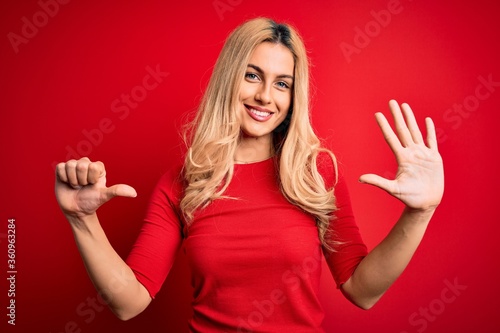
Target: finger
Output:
{"points": [[82, 170], [96, 171], [61, 172], [411, 122], [120, 190], [399, 124], [375, 180], [431, 134], [70, 168], [389, 135]]}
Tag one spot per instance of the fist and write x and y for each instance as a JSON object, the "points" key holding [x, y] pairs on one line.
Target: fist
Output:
{"points": [[80, 187]]}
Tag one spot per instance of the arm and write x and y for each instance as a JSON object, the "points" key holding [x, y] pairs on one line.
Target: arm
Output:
{"points": [[80, 190], [419, 184]]}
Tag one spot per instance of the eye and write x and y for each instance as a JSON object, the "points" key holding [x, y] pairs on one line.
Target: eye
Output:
{"points": [[251, 76], [282, 85]]}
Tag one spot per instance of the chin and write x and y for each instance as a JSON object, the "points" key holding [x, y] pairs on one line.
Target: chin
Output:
{"points": [[253, 133]]}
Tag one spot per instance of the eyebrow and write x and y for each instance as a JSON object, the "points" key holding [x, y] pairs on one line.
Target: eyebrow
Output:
{"points": [[281, 76]]}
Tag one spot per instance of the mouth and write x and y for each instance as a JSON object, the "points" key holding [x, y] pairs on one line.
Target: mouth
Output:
{"points": [[258, 113]]}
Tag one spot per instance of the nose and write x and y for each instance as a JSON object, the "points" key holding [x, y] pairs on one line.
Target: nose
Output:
{"points": [[263, 95]]}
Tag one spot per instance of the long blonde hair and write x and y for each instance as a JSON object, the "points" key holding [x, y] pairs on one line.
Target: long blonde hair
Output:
{"points": [[213, 135]]}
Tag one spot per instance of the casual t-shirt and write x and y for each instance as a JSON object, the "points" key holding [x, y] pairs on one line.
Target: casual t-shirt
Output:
{"points": [[255, 258]]}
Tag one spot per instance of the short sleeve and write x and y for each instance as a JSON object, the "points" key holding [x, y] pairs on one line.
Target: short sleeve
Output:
{"points": [[350, 249], [160, 238]]}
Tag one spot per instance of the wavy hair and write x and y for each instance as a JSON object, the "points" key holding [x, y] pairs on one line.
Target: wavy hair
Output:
{"points": [[213, 135]]}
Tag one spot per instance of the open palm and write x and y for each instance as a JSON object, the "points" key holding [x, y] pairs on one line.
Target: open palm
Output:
{"points": [[419, 181]]}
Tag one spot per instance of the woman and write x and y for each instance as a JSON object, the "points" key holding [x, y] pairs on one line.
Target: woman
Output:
{"points": [[256, 202]]}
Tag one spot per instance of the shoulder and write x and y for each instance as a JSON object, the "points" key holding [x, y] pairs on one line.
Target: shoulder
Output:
{"points": [[173, 174], [171, 182]]}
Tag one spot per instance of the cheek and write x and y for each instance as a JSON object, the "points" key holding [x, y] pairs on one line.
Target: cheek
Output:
{"points": [[245, 91], [284, 102]]}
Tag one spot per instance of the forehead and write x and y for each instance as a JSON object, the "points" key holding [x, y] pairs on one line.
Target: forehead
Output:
{"points": [[273, 58]]}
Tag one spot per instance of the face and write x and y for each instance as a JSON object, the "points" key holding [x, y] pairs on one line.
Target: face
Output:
{"points": [[266, 90]]}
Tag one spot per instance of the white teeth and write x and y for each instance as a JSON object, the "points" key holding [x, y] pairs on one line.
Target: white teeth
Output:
{"points": [[260, 113]]}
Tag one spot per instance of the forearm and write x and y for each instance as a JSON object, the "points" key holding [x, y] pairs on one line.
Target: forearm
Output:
{"points": [[385, 263], [112, 277]]}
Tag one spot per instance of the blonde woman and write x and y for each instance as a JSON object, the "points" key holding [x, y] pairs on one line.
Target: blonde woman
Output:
{"points": [[257, 202]]}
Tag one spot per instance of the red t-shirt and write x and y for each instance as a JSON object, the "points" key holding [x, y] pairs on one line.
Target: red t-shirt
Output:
{"points": [[255, 258]]}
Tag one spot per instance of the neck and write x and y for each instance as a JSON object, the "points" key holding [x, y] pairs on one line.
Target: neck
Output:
{"points": [[252, 150]]}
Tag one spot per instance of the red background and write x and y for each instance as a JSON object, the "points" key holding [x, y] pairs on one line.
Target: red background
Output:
{"points": [[62, 81]]}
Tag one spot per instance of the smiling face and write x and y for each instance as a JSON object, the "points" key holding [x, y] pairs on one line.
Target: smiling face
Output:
{"points": [[266, 91]]}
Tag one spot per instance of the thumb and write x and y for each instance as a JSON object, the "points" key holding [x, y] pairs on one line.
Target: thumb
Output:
{"points": [[375, 180], [120, 190]]}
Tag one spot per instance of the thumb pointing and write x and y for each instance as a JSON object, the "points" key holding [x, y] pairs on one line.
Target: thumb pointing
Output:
{"points": [[120, 190]]}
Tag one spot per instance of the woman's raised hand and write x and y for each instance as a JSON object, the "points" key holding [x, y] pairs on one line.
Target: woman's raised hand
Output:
{"points": [[81, 187], [419, 181]]}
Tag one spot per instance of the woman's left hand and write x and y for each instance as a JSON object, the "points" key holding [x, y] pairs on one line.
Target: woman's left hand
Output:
{"points": [[419, 181]]}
